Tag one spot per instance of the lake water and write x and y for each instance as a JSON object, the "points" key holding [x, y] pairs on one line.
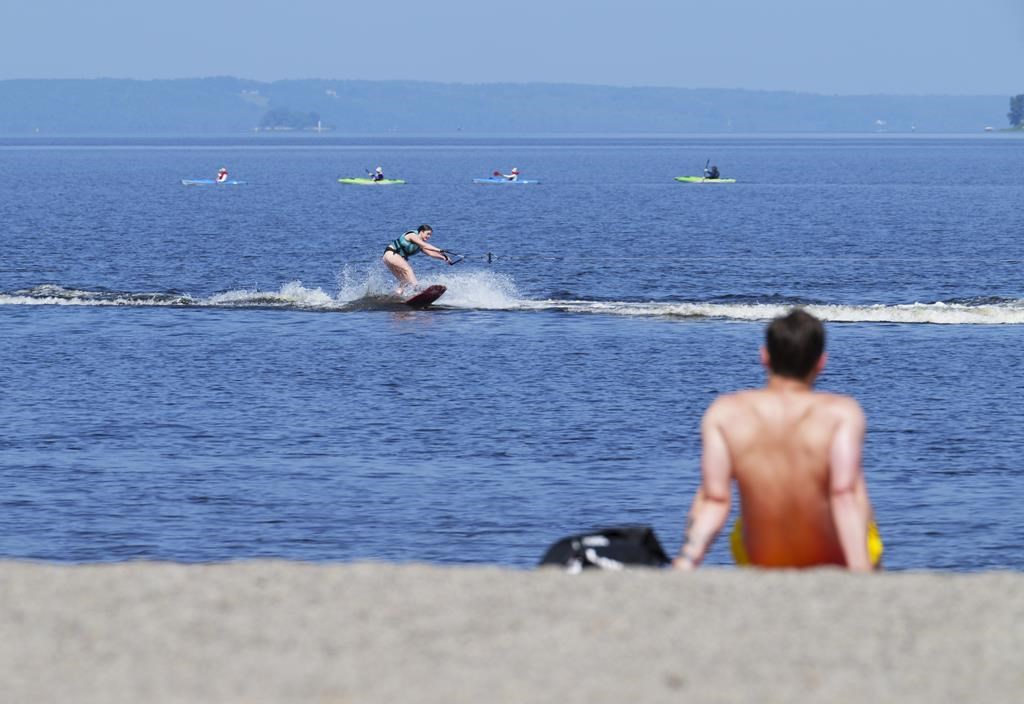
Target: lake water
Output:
{"points": [[209, 373]]}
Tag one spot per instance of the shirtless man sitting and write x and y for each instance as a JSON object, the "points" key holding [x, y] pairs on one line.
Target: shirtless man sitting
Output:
{"points": [[795, 454]]}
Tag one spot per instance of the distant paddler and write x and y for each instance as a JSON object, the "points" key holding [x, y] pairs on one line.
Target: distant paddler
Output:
{"points": [[378, 174], [514, 176], [222, 174], [398, 251], [711, 173]]}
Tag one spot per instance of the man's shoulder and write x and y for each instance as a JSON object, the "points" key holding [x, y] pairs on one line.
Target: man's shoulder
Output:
{"points": [[738, 401], [843, 407], [837, 400], [733, 402]]}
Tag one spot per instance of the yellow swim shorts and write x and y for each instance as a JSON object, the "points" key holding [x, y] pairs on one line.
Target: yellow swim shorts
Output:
{"points": [[739, 549]]}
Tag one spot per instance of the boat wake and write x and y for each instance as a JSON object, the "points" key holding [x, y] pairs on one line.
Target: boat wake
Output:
{"points": [[1005, 312], [487, 291]]}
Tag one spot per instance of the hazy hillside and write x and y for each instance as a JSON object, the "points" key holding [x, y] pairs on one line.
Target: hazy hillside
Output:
{"points": [[225, 105]]}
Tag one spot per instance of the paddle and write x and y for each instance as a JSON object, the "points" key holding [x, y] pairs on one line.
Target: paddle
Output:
{"points": [[497, 173]]}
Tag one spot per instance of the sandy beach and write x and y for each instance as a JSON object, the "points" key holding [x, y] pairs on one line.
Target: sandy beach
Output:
{"points": [[299, 632]]}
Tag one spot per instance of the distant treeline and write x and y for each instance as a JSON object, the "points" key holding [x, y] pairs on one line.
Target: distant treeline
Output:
{"points": [[285, 119], [1016, 114], [225, 105]]}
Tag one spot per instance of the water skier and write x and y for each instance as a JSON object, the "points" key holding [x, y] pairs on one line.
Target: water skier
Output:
{"points": [[398, 251]]}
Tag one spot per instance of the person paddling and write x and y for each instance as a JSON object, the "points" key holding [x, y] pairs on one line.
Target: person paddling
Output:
{"points": [[514, 176], [711, 173], [378, 175], [222, 175], [398, 251]]}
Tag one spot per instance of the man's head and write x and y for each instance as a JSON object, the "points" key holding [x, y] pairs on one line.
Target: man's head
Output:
{"points": [[795, 345]]}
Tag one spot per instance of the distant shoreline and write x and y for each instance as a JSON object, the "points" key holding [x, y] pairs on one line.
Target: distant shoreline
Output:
{"points": [[226, 104], [302, 137]]}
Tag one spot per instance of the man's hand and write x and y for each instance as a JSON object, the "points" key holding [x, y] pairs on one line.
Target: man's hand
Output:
{"points": [[683, 564], [685, 561]]}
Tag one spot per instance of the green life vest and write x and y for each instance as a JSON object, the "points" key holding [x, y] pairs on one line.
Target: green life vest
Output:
{"points": [[403, 247]]}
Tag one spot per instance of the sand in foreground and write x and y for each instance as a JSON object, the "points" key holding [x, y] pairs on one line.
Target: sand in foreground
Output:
{"points": [[295, 632]]}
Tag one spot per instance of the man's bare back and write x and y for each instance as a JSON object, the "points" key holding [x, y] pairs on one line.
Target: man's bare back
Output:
{"points": [[780, 440], [795, 455]]}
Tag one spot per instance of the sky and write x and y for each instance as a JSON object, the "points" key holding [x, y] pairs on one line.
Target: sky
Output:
{"points": [[844, 47]]}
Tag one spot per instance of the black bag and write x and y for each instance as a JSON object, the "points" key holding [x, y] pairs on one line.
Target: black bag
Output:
{"points": [[608, 549]]}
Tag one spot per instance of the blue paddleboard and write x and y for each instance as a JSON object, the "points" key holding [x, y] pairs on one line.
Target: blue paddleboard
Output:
{"points": [[520, 182]]}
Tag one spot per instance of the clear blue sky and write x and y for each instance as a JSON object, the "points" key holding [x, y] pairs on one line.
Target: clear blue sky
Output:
{"points": [[953, 47]]}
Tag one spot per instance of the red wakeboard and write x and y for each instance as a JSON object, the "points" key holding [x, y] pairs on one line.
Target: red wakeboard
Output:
{"points": [[427, 296]]}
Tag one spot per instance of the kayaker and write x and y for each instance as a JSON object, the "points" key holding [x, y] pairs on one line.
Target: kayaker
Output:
{"points": [[398, 251], [222, 175], [711, 173], [514, 176], [378, 175]]}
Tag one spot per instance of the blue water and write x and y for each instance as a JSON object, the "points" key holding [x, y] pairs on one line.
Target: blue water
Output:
{"points": [[211, 373]]}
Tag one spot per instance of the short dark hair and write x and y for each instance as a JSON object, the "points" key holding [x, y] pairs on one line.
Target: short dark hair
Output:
{"points": [[795, 343], [424, 227]]}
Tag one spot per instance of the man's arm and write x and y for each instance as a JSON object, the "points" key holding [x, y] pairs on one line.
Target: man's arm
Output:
{"points": [[850, 510], [710, 507]]}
